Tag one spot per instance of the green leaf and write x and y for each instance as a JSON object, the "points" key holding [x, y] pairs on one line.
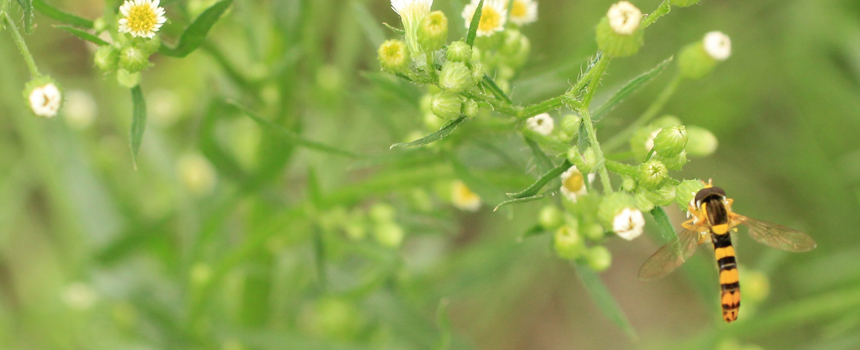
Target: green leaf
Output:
{"points": [[666, 229], [535, 231], [436, 136], [196, 31], [473, 26], [320, 256], [290, 136], [83, 35], [57, 14], [523, 200], [545, 164], [604, 300], [630, 88], [138, 122], [443, 324], [490, 84], [397, 31], [549, 176], [27, 5]]}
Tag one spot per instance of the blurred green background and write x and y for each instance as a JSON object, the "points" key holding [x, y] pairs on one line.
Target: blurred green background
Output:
{"points": [[97, 255]]}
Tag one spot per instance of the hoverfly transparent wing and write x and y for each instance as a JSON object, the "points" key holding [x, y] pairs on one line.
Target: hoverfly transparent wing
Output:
{"points": [[670, 256], [778, 236]]}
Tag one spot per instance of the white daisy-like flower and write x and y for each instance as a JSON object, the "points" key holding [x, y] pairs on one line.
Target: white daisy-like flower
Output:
{"points": [[541, 124], [45, 100], [718, 45], [80, 110], [494, 14], [463, 198], [141, 18], [411, 13], [573, 184], [624, 18], [628, 224], [523, 11]]}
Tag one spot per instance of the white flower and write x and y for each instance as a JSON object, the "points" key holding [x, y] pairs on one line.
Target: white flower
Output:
{"points": [[45, 100], [649, 144], [628, 224], [463, 198], [624, 18], [411, 13], [80, 110], [573, 184], [494, 14], [141, 18], [524, 11], [541, 124], [718, 45]]}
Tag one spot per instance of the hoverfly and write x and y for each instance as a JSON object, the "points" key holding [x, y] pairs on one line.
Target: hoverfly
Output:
{"points": [[712, 215]]}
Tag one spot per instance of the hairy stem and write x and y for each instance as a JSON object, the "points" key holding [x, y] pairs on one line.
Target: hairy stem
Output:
{"points": [[22, 47], [661, 10], [598, 70]]}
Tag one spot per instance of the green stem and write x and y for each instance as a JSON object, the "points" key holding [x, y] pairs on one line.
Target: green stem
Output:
{"points": [[431, 67], [661, 10], [589, 125], [498, 106], [649, 114], [546, 106], [22, 47], [621, 168]]}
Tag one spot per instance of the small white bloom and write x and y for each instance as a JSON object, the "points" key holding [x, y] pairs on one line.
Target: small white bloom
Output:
{"points": [[79, 296], [494, 14], [45, 100], [141, 18], [573, 184], [80, 110], [718, 45], [624, 18], [524, 11], [628, 224], [197, 174], [541, 124], [463, 198], [411, 13]]}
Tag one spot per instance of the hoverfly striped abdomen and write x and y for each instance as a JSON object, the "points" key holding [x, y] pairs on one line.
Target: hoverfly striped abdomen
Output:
{"points": [[712, 201]]}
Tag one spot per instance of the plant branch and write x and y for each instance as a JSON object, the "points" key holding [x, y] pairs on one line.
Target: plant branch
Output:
{"points": [[22, 47]]}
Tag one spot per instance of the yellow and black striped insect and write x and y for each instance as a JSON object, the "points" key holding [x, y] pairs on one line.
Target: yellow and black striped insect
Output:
{"points": [[712, 216]]}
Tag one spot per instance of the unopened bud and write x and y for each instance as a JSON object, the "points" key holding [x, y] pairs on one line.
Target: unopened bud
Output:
{"points": [[455, 77], [570, 124], [446, 105], [471, 109], [652, 174], [670, 141], [389, 234], [618, 34], [599, 258], [433, 31], [459, 51], [567, 243], [133, 59], [550, 217], [512, 42], [701, 142], [394, 56], [686, 191], [676, 162], [106, 58], [643, 203]]}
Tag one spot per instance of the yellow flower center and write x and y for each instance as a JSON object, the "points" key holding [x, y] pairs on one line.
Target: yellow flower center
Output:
{"points": [[393, 53], [141, 18], [518, 10], [574, 182], [490, 19], [464, 194]]}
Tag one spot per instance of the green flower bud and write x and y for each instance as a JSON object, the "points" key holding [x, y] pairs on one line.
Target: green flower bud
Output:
{"points": [[613, 204], [652, 173], [389, 235], [127, 79], [433, 31], [459, 51], [599, 258], [455, 77], [100, 25], [570, 124], [133, 59], [590, 161], [594, 232], [670, 141], [382, 213], [675, 163], [394, 56], [686, 191], [662, 196], [666, 121], [477, 73], [471, 109], [643, 203], [684, 3], [446, 105], [149, 46], [642, 142], [701, 142], [550, 217], [520, 58], [619, 34], [567, 243], [512, 42], [106, 58], [694, 62], [628, 184]]}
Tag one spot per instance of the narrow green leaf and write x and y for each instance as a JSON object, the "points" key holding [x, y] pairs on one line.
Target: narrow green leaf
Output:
{"points": [[490, 84], [545, 164], [473, 25], [523, 200], [138, 121], [83, 35], [397, 31], [436, 136], [630, 88], [59, 15], [443, 324], [604, 300], [196, 31], [535, 231], [375, 35], [319, 257], [314, 192], [27, 5], [291, 136], [547, 177], [666, 229]]}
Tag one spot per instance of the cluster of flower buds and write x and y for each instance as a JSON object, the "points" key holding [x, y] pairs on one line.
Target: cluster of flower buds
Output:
{"points": [[133, 43], [379, 221]]}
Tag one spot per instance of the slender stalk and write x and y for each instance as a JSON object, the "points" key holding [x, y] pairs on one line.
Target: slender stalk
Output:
{"points": [[431, 67], [599, 70], [542, 107], [621, 168], [652, 111], [22, 47], [497, 105], [661, 10]]}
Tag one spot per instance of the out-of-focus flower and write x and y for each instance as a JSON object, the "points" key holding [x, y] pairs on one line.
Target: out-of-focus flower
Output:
{"points": [[44, 97], [624, 18], [494, 14], [463, 198], [718, 45], [541, 124], [573, 184], [524, 11]]}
